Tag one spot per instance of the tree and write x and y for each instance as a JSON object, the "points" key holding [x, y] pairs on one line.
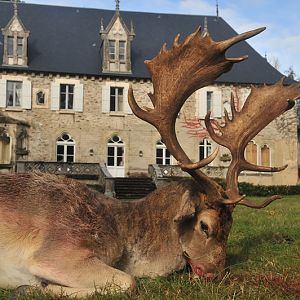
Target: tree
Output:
{"points": [[290, 73], [274, 61]]}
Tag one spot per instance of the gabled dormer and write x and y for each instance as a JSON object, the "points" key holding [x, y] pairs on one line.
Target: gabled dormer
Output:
{"points": [[116, 46], [15, 41]]}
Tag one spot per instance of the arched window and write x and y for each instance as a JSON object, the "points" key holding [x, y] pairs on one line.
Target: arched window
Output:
{"points": [[163, 156], [205, 148], [251, 152], [115, 152], [65, 148], [265, 156]]}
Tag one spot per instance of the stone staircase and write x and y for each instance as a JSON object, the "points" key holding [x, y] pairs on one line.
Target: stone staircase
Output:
{"points": [[133, 187]]}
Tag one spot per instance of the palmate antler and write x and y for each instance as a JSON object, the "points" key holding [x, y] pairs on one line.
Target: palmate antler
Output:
{"points": [[263, 105], [176, 74]]}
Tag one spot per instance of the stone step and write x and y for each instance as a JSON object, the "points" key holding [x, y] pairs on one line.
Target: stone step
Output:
{"points": [[133, 187]]}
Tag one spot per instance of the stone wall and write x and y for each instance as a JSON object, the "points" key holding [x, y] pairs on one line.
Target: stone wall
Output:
{"points": [[91, 129]]}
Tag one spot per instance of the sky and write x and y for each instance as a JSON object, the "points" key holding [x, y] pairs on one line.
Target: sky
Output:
{"points": [[280, 42]]}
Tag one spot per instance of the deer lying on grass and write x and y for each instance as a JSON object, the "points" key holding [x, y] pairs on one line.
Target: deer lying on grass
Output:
{"points": [[58, 234]]}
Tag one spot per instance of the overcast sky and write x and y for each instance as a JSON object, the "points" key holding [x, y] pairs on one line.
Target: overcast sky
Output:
{"points": [[280, 41]]}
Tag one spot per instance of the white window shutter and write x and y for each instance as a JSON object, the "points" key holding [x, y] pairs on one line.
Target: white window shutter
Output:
{"points": [[127, 108], [55, 96], [26, 94], [105, 98], [2, 93], [217, 104], [201, 103], [78, 97]]}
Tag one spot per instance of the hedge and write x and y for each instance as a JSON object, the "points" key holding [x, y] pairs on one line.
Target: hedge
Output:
{"points": [[267, 190], [250, 189]]}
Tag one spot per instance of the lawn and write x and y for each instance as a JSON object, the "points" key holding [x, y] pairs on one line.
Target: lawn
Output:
{"points": [[263, 262]]}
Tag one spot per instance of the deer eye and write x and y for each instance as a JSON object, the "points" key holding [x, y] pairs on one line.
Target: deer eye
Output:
{"points": [[204, 227]]}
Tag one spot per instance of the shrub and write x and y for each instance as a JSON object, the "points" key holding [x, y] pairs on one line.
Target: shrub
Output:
{"points": [[250, 189]]}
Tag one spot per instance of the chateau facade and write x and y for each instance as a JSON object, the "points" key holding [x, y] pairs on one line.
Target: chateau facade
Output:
{"points": [[64, 81]]}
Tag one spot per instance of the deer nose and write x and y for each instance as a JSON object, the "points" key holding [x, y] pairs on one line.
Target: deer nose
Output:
{"points": [[204, 270]]}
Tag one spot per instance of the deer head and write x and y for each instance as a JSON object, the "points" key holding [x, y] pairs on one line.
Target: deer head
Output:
{"points": [[177, 73]]}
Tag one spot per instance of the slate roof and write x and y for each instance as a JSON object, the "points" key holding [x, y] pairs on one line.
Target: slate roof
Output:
{"points": [[67, 40]]}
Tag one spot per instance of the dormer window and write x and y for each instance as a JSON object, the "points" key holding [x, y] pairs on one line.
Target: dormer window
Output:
{"points": [[112, 50], [117, 48], [10, 46], [122, 51], [116, 45], [15, 41], [20, 44]]}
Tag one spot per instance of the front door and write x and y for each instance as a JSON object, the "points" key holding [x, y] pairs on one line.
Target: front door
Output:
{"points": [[115, 157]]}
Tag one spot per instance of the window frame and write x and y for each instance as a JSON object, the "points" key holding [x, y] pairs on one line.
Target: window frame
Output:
{"points": [[20, 46], [123, 60], [67, 95], [166, 155], [209, 101], [10, 46], [206, 146], [66, 144], [265, 146], [115, 145], [116, 99], [112, 50], [252, 143], [14, 82]]}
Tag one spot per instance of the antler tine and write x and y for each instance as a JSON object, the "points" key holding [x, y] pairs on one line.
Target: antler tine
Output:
{"points": [[246, 202], [232, 106], [201, 163], [140, 113], [245, 124], [241, 37], [193, 64]]}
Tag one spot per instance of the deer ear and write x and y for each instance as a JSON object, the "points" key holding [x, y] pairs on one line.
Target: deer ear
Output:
{"points": [[187, 208]]}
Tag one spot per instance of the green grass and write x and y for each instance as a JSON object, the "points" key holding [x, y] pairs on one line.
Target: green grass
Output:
{"points": [[263, 259]]}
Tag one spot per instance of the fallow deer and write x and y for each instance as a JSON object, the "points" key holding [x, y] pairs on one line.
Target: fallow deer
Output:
{"points": [[57, 234]]}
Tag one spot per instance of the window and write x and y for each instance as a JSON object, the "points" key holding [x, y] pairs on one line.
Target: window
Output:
{"points": [[122, 51], [204, 149], [66, 96], [265, 156], [115, 152], [40, 98], [10, 46], [112, 50], [116, 99], [20, 46], [13, 93], [209, 99], [65, 148], [251, 153], [163, 156]]}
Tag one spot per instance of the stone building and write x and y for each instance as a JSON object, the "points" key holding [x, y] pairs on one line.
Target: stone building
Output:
{"points": [[64, 78]]}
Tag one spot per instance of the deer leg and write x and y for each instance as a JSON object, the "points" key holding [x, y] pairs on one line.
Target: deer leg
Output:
{"points": [[83, 277]]}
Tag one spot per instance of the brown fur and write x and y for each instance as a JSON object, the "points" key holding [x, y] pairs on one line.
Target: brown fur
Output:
{"points": [[66, 231]]}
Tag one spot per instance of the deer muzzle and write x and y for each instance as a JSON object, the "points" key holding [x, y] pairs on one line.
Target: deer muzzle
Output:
{"points": [[203, 270], [207, 271]]}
